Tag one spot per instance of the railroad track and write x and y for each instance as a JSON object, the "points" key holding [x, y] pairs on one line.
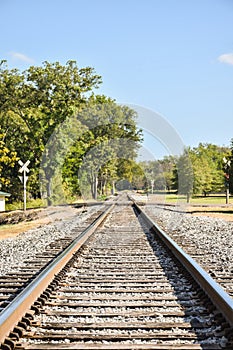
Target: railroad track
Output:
{"points": [[13, 283], [220, 270], [122, 289]]}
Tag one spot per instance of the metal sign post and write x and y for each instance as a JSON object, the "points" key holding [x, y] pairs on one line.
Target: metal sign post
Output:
{"points": [[227, 166], [24, 169]]}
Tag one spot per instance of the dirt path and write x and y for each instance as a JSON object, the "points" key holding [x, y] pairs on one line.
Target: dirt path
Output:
{"points": [[43, 217], [227, 217]]}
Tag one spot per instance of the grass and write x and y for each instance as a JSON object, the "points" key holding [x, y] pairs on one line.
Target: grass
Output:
{"points": [[34, 203], [195, 200], [40, 203], [215, 200], [220, 200]]}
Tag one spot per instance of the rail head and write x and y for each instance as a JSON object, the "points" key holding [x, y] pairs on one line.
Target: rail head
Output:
{"points": [[20, 305], [222, 301]]}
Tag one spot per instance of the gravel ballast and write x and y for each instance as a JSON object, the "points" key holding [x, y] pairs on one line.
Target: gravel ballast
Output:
{"points": [[15, 250], [206, 239], [212, 235]]}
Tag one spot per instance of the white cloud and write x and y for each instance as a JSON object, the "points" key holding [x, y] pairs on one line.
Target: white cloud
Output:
{"points": [[21, 57], [226, 58]]}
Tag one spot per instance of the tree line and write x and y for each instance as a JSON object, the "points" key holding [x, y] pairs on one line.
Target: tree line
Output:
{"points": [[199, 170], [77, 141], [82, 144]]}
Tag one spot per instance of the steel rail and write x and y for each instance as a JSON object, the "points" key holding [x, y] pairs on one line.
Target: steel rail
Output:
{"points": [[13, 313], [222, 301]]}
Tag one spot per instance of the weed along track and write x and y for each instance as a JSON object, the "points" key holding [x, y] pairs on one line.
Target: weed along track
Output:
{"points": [[124, 289]]}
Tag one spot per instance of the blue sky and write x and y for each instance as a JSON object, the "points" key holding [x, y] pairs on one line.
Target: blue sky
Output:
{"points": [[174, 57]]}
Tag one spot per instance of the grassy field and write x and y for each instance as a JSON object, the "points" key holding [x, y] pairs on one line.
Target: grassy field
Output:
{"points": [[214, 200]]}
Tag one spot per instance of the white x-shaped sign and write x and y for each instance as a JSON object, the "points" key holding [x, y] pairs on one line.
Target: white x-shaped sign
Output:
{"points": [[24, 166]]}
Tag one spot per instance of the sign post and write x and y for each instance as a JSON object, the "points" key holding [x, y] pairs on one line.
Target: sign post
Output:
{"points": [[227, 177], [23, 170]]}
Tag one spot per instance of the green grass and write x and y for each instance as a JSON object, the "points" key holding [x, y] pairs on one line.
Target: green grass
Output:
{"points": [[34, 203], [218, 199], [39, 203], [209, 200]]}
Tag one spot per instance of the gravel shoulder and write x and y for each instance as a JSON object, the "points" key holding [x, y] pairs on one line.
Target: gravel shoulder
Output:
{"points": [[34, 219], [60, 222], [223, 216], [220, 212], [208, 240]]}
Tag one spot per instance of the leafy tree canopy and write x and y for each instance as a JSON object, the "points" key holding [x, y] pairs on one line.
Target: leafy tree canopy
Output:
{"points": [[50, 114]]}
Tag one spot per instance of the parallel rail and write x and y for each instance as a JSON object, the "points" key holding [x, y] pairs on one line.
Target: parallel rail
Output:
{"points": [[219, 297], [12, 314]]}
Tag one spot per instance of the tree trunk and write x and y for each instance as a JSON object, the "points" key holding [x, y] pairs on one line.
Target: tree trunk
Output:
{"points": [[95, 187], [101, 186], [113, 187], [105, 187], [49, 192]]}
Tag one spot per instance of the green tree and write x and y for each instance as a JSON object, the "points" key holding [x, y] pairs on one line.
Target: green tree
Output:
{"points": [[132, 172], [7, 162], [37, 101], [207, 161], [167, 165], [111, 134], [160, 172], [183, 175]]}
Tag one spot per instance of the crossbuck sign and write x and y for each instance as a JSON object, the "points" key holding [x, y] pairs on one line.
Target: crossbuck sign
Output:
{"points": [[23, 170]]}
